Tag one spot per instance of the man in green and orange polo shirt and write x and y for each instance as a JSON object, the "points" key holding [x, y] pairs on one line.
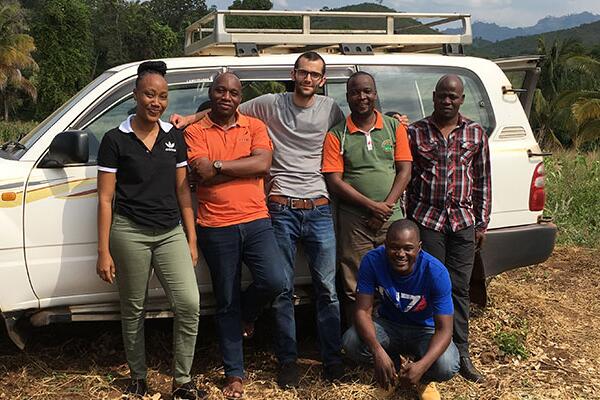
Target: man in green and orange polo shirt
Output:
{"points": [[230, 153], [367, 164]]}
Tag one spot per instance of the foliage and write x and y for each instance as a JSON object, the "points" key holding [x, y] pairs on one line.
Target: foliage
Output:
{"points": [[127, 31], [15, 129], [566, 109], [63, 37], [15, 56], [573, 196], [511, 339]]}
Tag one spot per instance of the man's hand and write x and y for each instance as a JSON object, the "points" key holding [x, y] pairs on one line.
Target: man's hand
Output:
{"points": [[479, 239], [105, 267], [385, 371], [375, 223], [412, 372], [381, 210], [181, 121], [204, 169], [403, 119]]}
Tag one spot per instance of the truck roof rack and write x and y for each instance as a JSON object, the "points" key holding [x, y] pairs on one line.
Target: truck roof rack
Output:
{"points": [[221, 32]]}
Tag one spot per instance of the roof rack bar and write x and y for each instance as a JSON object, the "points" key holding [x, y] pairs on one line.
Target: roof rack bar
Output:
{"points": [[211, 35]]}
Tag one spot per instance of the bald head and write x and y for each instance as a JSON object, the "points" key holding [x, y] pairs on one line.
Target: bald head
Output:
{"points": [[447, 99], [225, 96], [450, 80]]}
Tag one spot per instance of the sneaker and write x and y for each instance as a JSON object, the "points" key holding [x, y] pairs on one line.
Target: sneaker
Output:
{"points": [[428, 392], [188, 391], [468, 370], [334, 372], [137, 388], [288, 376]]}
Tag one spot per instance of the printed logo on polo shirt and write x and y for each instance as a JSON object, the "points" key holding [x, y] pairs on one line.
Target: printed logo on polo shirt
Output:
{"points": [[170, 146], [387, 145]]}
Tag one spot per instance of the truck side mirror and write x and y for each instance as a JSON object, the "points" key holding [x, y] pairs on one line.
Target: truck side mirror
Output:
{"points": [[69, 147]]}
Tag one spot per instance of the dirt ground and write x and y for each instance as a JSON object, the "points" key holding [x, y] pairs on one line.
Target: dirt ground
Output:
{"points": [[537, 339]]}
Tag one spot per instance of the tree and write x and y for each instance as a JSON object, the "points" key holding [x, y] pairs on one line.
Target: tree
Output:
{"points": [[566, 109], [62, 32], [127, 31], [15, 56]]}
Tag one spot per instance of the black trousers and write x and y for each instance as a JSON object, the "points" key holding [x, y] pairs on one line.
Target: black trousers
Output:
{"points": [[456, 250]]}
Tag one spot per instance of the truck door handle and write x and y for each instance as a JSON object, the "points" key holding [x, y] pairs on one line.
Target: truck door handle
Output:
{"points": [[542, 154]]}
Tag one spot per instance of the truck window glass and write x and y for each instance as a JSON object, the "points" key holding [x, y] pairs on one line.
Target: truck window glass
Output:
{"points": [[408, 90], [37, 132]]}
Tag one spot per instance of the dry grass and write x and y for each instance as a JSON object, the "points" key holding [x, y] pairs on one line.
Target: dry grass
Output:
{"points": [[548, 313]]}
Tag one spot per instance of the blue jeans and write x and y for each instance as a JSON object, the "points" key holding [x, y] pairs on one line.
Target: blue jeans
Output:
{"points": [[314, 229], [225, 248], [409, 340]]}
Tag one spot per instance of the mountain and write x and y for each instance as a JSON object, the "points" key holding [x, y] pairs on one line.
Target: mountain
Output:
{"points": [[587, 34], [494, 32], [368, 23]]}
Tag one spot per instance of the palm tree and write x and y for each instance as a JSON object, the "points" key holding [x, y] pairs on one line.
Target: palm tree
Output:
{"points": [[15, 55], [567, 103]]}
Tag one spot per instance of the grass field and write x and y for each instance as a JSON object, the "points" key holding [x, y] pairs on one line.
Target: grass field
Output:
{"points": [[573, 196]]}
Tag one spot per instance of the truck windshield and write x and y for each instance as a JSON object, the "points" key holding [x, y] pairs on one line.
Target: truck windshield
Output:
{"points": [[28, 140]]}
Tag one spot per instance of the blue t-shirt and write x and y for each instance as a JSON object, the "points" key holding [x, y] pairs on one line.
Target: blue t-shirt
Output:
{"points": [[407, 299]]}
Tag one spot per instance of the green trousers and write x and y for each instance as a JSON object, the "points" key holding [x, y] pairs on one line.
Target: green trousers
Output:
{"points": [[354, 240], [136, 251]]}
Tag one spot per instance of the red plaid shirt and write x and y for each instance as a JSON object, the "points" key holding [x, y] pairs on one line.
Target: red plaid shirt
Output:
{"points": [[451, 186]]}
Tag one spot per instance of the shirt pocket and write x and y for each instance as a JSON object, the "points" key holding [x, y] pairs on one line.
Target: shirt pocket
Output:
{"points": [[467, 151], [428, 152]]}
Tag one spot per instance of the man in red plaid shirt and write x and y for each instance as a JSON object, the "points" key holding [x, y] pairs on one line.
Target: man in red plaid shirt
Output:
{"points": [[450, 197]]}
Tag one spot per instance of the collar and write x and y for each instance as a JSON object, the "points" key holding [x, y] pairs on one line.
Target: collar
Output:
{"points": [[240, 120], [461, 121], [125, 126], [352, 128]]}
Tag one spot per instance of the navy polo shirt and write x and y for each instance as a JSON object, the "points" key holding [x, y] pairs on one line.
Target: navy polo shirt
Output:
{"points": [[145, 190]]}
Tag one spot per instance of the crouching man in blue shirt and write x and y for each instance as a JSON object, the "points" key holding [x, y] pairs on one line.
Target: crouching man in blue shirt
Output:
{"points": [[414, 316]]}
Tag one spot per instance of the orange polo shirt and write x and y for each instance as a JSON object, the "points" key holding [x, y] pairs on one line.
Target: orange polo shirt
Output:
{"points": [[240, 200]]}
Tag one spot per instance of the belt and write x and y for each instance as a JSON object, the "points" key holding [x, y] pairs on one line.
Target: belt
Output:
{"points": [[299, 204]]}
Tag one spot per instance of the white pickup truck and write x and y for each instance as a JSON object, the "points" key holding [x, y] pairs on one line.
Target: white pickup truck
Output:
{"points": [[48, 179]]}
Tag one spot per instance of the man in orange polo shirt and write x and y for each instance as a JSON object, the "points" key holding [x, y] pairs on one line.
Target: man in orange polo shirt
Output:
{"points": [[367, 163], [230, 153]]}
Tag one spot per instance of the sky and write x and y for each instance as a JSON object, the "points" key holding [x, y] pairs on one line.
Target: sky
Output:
{"points": [[510, 13]]}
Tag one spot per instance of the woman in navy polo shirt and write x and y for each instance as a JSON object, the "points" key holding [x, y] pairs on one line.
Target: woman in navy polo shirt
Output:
{"points": [[142, 166]]}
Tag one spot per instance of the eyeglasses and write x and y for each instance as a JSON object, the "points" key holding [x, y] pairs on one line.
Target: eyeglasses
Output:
{"points": [[302, 74]]}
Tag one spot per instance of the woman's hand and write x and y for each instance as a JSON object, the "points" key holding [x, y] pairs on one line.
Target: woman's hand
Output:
{"points": [[105, 267], [193, 252]]}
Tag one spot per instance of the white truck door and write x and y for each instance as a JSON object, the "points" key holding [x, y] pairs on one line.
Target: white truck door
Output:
{"points": [[60, 216]]}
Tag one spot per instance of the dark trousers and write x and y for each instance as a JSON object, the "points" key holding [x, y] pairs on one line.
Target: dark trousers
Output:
{"points": [[456, 250], [225, 248]]}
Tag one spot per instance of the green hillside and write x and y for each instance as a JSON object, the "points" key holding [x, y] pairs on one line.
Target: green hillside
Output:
{"points": [[587, 34], [368, 23]]}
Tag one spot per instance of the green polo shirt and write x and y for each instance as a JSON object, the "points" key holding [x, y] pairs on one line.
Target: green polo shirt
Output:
{"points": [[367, 160]]}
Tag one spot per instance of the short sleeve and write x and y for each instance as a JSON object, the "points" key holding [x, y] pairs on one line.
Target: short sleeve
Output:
{"points": [[108, 154], [258, 107], [336, 116], [181, 156], [402, 151], [441, 293], [260, 136], [366, 276], [333, 161], [195, 140]]}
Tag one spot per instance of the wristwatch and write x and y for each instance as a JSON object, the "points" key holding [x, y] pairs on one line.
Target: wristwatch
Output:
{"points": [[218, 165]]}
